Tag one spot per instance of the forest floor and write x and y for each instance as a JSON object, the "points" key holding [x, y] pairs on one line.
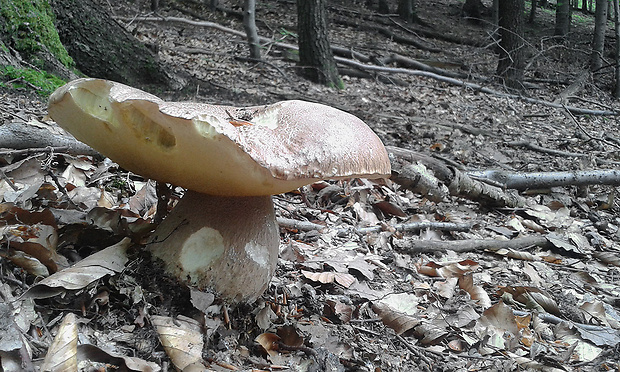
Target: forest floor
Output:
{"points": [[343, 300]]}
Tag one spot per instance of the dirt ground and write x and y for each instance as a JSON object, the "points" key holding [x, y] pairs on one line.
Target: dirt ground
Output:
{"points": [[343, 298]]}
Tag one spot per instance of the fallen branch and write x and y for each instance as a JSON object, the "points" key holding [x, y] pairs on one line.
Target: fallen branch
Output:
{"points": [[540, 180], [22, 137], [425, 246], [434, 180], [293, 224]]}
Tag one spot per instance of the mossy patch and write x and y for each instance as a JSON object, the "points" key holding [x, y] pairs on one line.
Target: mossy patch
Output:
{"points": [[30, 26], [42, 82]]}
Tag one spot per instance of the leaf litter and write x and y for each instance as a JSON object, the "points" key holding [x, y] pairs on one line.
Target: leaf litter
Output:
{"points": [[76, 286]]}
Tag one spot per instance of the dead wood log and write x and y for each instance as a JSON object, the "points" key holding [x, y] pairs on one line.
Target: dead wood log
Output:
{"points": [[433, 179], [540, 180], [18, 136], [426, 246]]}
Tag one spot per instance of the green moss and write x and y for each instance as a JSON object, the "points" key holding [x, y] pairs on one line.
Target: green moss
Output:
{"points": [[44, 83], [30, 25]]}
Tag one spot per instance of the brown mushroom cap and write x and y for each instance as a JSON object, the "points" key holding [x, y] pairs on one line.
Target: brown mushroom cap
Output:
{"points": [[219, 150]]}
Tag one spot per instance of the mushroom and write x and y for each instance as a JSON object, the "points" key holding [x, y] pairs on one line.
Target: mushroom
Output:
{"points": [[222, 235]]}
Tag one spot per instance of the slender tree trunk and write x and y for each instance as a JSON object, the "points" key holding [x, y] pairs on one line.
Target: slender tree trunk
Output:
{"points": [[562, 18], [584, 6], [249, 24], [533, 11], [315, 55], [617, 47], [511, 56], [598, 41]]}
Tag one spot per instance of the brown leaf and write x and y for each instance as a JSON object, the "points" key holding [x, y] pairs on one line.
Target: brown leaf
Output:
{"points": [[106, 262], [477, 293], [269, 342], [62, 354], [325, 277], [181, 338], [399, 322], [390, 209]]}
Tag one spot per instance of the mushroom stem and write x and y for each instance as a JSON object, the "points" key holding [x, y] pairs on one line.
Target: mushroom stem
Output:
{"points": [[225, 244]]}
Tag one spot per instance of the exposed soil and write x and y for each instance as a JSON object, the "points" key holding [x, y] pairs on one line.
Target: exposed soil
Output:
{"points": [[380, 305]]}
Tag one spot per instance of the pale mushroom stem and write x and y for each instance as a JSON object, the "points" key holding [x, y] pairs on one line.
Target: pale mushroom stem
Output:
{"points": [[225, 244]]}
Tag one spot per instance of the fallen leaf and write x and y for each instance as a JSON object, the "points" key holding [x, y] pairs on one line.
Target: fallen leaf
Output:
{"points": [[106, 262], [181, 338], [62, 354]]}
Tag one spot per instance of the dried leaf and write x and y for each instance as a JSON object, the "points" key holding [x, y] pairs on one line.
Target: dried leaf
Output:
{"points": [[390, 209], [532, 297], [121, 362], [325, 277], [265, 317], [477, 293], [452, 270], [62, 354], [289, 336], [611, 258], [269, 342], [181, 338], [106, 262], [498, 327], [28, 263], [399, 322]]}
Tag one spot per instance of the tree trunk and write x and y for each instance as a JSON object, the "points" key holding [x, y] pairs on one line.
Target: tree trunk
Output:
{"points": [[249, 24], [472, 10], [562, 18], [584, 6], [406, 10], [532, 11], [598, 41], [617, 47], [103, 48], [511, 57], [315, 55]]}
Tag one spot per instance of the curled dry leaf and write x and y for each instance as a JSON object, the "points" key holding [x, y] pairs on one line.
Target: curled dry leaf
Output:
{"points": [[120, 362], [27, 262], [519, 255], [106, 262], [477, 293], [181, 338], [399, 322], [452, 270], [62, 354], [532, 297], [325, 277], [269, 342], [38, 241]]}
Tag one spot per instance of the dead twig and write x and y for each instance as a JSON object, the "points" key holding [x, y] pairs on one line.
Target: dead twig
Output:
{"points": [[528, 145]]}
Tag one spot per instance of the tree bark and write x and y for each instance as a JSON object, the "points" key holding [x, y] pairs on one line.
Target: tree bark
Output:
{"points": [[315, 55], [249, 24], [472, 10], [406, 10], [562, 18], [511, 56], [102, 48], [532, 11], [598, 40]]}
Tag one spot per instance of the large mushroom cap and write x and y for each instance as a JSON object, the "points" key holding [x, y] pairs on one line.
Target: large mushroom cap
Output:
{"points": [[219, 150]]}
